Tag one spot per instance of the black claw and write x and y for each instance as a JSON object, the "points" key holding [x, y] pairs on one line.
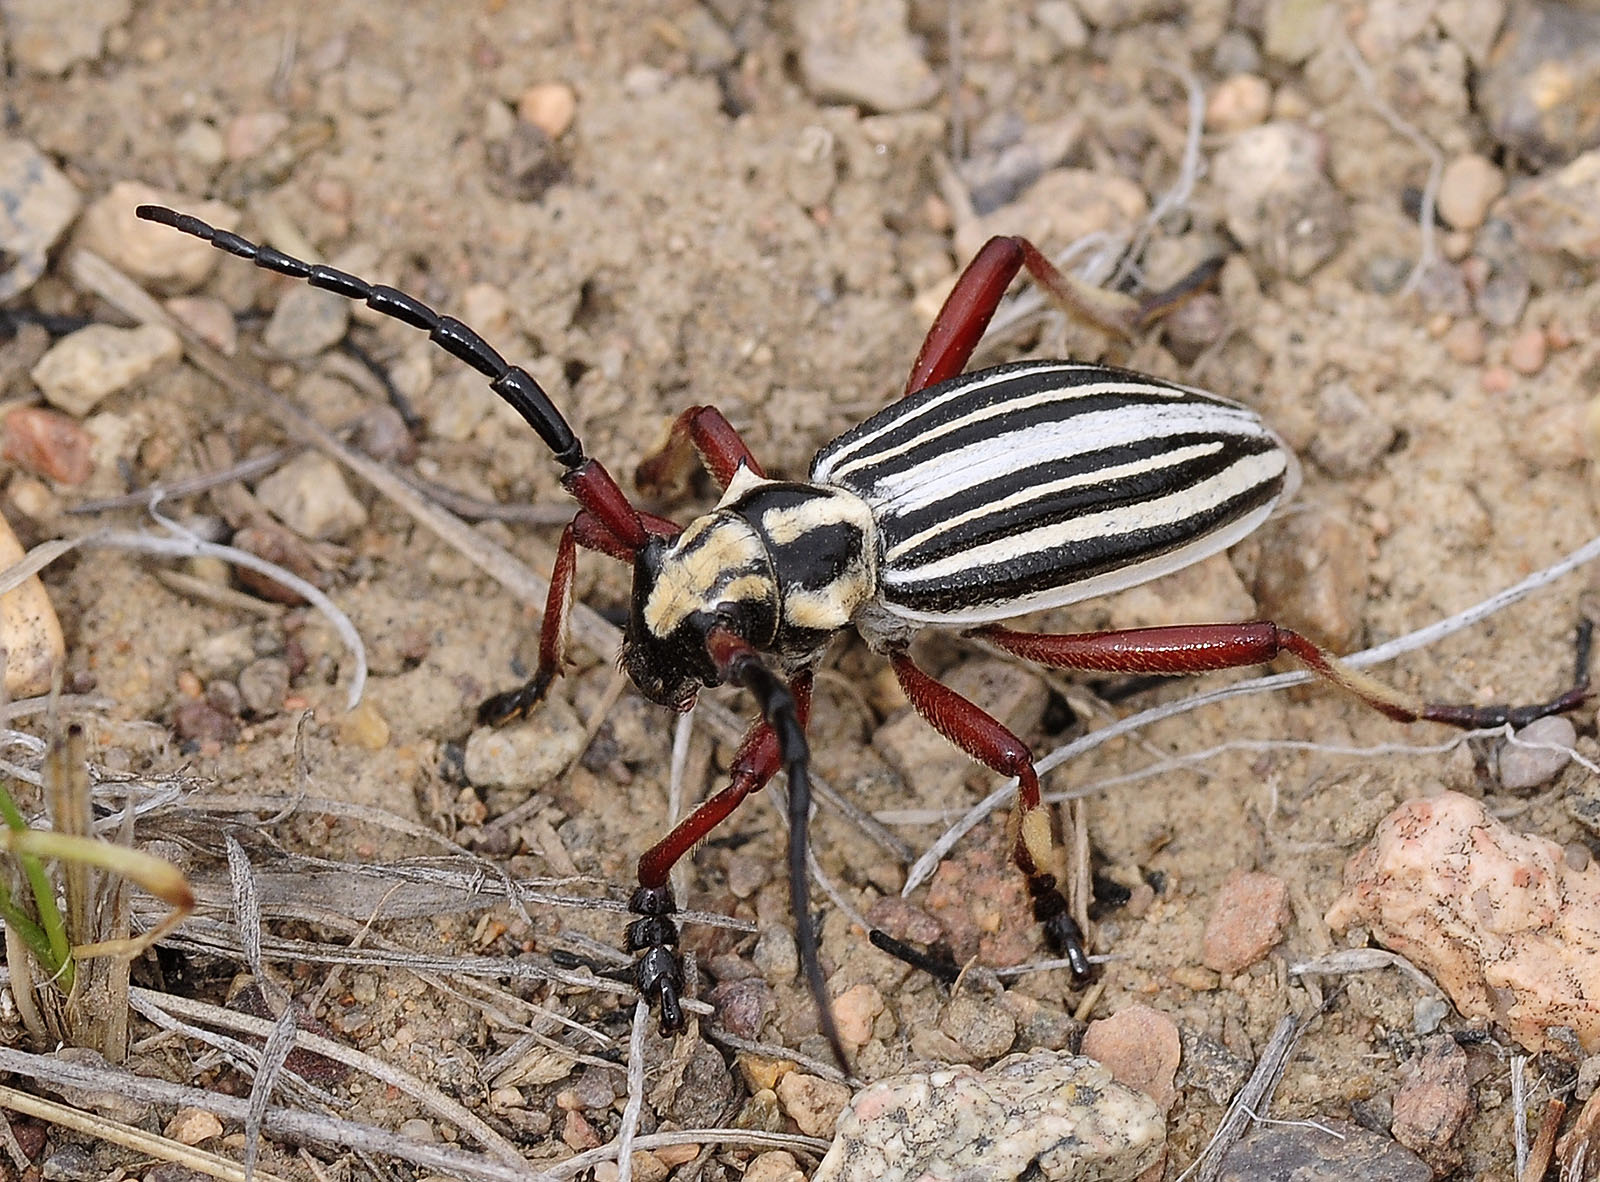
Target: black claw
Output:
{"points": [[1061, 931], [516, 703]]}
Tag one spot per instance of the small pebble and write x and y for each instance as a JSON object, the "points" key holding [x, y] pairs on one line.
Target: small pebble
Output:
{"points": [[247, 136], [191, 1126], [48, 444], [1141, 1048], [1427, 1013], [1527, 352], [1054, 1115], [1467, 188], [88, 365], [1195, 325], [505, 1098], [365, 727], [862, 52], [201, 142], [50, 38], [776, 955], [200, 722], [1238, 102], [30, 631], [1525, 767], [1495, 917], [277, 545], [1497, 379], [1540, 90], [383, 435], [747, 874], [372, 90], [672, 1156], [1352, 434], [980, 1025], [1503, 296], [743, 1007], [813, 1103], [1330, 1150], [1560, 211], [1473, 25], [854, 1011], [155, 255], [776, 1165], [1040, 1025], [306, 321], [1313, 575], [1277, 199], [1464, 342], [209, 319], [32, 497], [1433, 1103], [529, 754], [71, 1163], [1250, 917], [310, 496], [1061, 18], [37, 204], [577, 1133], [550, 106], [223, 696]]}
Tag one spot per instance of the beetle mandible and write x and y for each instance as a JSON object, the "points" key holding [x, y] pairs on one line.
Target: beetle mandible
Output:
{"points": [[975, 498]]}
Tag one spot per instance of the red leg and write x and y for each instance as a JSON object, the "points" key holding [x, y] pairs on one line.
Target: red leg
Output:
{"points": [[966, 313], [778, 741], [699, 430], [502, 708], [756, 763], [594, 489], [584, 530], [1201, 648], [992, 745], [972, 302]]}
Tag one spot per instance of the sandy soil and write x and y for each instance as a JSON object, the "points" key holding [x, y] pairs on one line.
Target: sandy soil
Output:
{"points": [[680, 243]]}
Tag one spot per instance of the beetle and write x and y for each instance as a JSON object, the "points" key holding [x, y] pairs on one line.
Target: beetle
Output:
{"points": [[973, 499]]}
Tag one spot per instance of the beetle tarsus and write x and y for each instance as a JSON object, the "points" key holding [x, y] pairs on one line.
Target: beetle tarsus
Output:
{"points": [[515, 703], [657, 971], [1061, 931]]}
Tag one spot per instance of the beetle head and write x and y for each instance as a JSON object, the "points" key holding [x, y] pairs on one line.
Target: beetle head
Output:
{"points": [[714, 573]]}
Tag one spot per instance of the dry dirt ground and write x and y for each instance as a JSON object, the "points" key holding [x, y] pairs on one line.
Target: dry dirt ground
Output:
{"points": [[711, 228]]}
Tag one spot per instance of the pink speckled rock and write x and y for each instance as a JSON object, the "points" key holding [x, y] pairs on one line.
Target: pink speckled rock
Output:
{"points": [[1499, 919]]}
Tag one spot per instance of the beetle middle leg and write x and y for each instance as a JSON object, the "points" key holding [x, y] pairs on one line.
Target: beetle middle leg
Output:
{"points": [[991, 744]]}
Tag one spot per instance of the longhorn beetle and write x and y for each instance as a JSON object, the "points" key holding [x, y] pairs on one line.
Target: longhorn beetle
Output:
{"points": [[973, 499]]}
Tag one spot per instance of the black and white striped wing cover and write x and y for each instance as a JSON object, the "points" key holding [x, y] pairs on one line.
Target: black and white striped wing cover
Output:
{"points": [[1040, 483]]}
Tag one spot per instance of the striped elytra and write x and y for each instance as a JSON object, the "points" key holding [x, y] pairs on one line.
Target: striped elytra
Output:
{"points": [[1040, 483]]}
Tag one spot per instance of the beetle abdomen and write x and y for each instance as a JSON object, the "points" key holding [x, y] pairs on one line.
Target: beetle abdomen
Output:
{"points": [[1040, 483]]}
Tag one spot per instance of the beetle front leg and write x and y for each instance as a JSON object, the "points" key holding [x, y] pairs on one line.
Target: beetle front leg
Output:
{"points": [[983, 738], [1204, 648], [658, 975], [702, 431], [588, 531]]}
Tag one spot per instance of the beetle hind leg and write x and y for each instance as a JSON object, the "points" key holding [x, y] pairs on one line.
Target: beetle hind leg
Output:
{"points": [[1205, 648], [991, 744]]}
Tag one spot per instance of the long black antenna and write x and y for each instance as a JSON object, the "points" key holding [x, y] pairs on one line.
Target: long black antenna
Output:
{"points": [[513, 383]]}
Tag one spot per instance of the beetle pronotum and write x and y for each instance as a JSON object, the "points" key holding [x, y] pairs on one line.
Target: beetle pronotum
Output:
{"points": [[973, 499]]}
